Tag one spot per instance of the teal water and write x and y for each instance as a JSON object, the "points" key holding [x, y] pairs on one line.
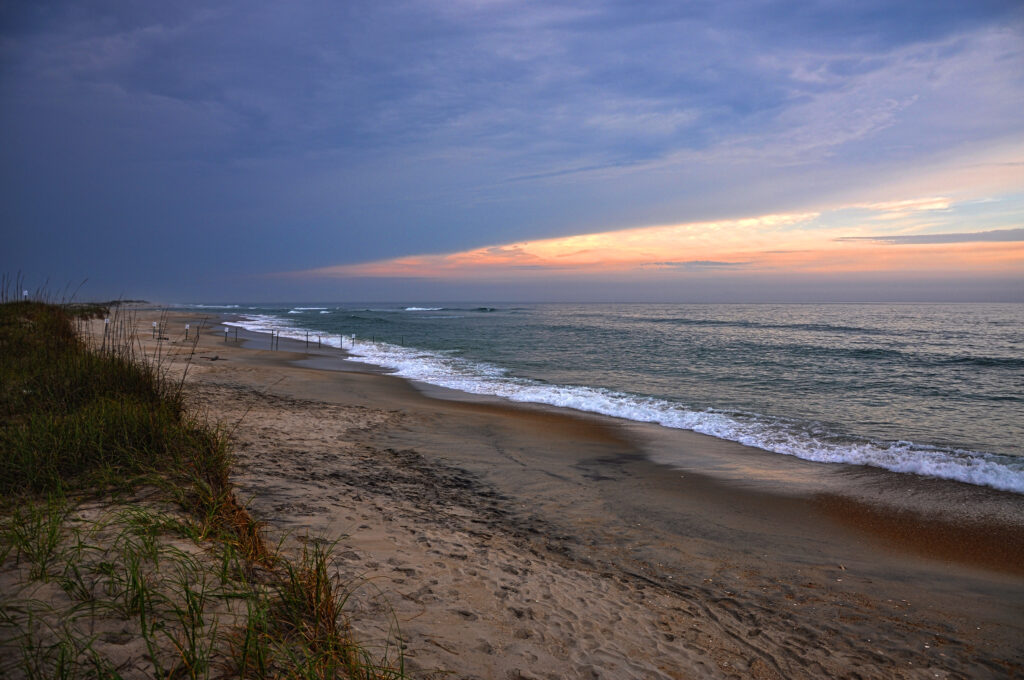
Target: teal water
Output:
{"points": [[929, 389]]}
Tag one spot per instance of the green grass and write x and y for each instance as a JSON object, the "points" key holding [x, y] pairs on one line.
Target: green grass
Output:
{"points": [[71, 417], [176, 558]]}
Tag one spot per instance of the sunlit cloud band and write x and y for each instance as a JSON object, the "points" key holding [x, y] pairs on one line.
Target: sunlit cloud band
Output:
{"points": [[841, 240]]}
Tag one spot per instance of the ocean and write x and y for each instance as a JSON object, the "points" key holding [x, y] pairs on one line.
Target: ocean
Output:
{"points": [[925, 389]]}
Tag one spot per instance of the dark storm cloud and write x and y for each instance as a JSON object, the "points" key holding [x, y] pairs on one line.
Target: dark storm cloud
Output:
{"points": [[186, 144]]}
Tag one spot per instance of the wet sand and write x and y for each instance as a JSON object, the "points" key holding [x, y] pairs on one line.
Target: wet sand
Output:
{"points": [[508, 541]]}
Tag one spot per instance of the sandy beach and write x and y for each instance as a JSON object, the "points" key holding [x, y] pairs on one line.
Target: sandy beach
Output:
{"points": [[508, 541]]}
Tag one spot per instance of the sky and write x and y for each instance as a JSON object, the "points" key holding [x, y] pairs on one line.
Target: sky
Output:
{"points": [[483, 150]]}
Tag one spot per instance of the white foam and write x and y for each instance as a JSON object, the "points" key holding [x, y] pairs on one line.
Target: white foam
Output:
{"points": [[778, 435], [266, 323], [770, 434], [198, 306], [424, 309], [260, 323]]}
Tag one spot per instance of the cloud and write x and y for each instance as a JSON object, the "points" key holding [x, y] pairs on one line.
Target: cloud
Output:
{"points": [[774, 245], [303, 136], [696, 264], [993, 236], [620, 250], [909, 205]]}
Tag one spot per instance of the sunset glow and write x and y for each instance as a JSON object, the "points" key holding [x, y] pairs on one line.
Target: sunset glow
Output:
{"points": [[457, 150], [777, 243]]}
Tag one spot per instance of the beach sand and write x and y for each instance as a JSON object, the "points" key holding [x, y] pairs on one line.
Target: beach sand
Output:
{"points": [[509, 541]]}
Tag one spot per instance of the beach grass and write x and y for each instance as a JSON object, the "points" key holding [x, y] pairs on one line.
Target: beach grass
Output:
{"points": [[124, 548], [78, 418]]}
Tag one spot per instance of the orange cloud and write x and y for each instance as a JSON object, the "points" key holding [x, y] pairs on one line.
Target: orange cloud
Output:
{"points": [[922, 259], [621, 250], [796, 242]]}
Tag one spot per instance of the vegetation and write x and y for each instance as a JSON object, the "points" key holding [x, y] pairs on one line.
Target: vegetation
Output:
{"points": [[78, 418], [120, 526]]}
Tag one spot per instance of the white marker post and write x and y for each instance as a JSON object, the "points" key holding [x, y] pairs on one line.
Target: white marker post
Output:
{"points": [[154, 330], [24, 295], [225, 333], [186, 331]]}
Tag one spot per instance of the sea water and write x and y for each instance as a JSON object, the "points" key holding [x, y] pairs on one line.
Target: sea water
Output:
{"points": [[927, 389]]}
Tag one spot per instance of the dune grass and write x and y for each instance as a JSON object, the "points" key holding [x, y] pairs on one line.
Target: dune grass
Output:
{"points": [[170, 562], [73, 417]]}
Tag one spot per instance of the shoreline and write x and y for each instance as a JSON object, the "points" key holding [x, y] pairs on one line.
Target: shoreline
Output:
{"points": [[571, 490], [826, 485], [937, 419]]}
